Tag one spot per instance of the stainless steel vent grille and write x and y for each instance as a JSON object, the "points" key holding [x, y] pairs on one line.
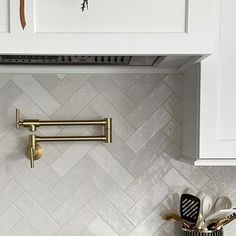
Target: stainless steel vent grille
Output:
{"points": [[64, 60]]}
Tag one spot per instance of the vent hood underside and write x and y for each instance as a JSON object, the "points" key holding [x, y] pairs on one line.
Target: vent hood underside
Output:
{"points": [[169, 61]]}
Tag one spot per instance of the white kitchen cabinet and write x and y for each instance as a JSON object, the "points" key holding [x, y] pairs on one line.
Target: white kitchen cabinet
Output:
{"points": [[108, 27], [187, 29], [210, 99]]}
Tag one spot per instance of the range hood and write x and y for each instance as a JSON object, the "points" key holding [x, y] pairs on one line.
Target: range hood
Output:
{"points": [[163, 61]]}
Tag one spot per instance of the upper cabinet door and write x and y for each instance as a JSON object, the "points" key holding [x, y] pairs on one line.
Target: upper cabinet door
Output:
{"points": [[4, 16], [110, 27], [218, 95]]}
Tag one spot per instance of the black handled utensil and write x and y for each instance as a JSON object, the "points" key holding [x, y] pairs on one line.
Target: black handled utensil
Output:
{"points": [[189, 207]]}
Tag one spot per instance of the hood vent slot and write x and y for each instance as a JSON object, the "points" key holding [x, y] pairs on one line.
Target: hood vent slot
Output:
{"points": [[64, 60]]}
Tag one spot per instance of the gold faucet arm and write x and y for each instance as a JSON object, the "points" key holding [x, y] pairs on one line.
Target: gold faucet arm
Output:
{"points": [[17, 118], [33, 124], [35, 151], [31, 157]]}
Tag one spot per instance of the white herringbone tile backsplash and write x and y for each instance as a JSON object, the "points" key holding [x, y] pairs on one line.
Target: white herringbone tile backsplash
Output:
{"points": [[85, 189]]}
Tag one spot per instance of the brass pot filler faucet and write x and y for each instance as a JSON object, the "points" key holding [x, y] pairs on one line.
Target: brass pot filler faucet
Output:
{"points": [[35, 151]]}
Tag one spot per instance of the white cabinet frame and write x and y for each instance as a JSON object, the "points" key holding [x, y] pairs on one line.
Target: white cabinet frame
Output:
{"points": [[195, 40]]}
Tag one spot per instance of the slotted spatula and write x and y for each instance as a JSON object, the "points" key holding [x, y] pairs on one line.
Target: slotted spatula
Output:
{"points": [[190, 207]]}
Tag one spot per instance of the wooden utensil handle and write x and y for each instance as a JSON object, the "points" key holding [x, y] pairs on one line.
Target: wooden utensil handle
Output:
{"points": [[22, 14]]}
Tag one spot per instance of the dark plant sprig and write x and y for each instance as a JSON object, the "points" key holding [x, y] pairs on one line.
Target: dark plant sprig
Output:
{"points": [[84, 5]]}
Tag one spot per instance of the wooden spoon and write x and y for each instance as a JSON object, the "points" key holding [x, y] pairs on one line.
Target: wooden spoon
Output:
{"points": [[176, 218]]}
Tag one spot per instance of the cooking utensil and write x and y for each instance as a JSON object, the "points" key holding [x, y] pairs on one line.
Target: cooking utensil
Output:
{"points": [[206, 206], [230, 219], [201, 195], [222, 222], [189, 207], [190, 191], [222, 203], [172, 203], [213, 219], [217, 224], [176, 218]]}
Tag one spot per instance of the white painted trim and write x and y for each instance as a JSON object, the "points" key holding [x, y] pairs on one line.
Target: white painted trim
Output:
{"points": [[60, 69], [193, 60], [215, 161], [190, 111]]}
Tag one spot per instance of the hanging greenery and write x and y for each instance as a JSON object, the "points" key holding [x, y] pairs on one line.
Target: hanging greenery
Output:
{"points": [[84, 5]]}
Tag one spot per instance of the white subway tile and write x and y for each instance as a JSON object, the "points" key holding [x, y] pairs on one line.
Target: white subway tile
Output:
{"points": [[68, 86], [87, 233], [74, 178], [12, 233], [147, 156], [120, 150], [10, 144], [176, 181], [143, 86], [48, 81], [100, 228], [151, 224], [119, 198], [8, 96], [45, 174], [76, 102], [148, 178], [149, 105], [9, 195], [120, 125], [111, 190], [5, 126], [117, 172], [113, 93], [78, 223], [37, 215], [4, 79], [191, 173], [12, 165], [151, 127], [37, 190], [174, 106], [111, 215], [71, 157], [147, 204], [37, 93], [124, 81], [101, 179], [26, 228], [173, 131], [174, 81], [75, 202], [9, 219]]}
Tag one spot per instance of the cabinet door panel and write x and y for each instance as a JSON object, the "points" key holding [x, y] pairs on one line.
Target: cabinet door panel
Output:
{"points": [[129, 27], [111, 16], [227, 84], [218, 95], [4, 16]]}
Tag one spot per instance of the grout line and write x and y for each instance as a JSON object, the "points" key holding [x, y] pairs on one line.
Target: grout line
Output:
{"points": [[29, 219], [113, 206], [61, 104]]}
